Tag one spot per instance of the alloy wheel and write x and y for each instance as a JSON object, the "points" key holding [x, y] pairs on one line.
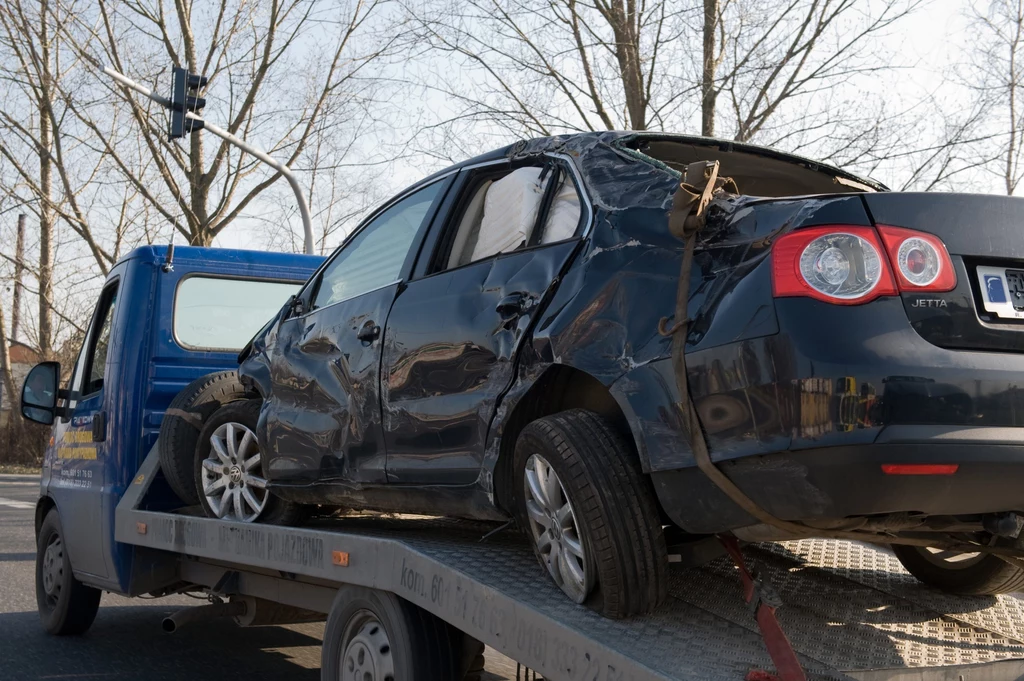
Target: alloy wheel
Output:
{"points": [[232, 475], [555, 530]]}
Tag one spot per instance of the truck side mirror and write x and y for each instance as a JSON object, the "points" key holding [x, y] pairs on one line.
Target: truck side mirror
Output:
{"points": [[40, 392]]}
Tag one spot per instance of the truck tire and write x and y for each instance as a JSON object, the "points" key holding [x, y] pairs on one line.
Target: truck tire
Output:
{"points": [[964, 574], [66, 606], [600, 537], [184, 418], [227, 463], [372, 634]]}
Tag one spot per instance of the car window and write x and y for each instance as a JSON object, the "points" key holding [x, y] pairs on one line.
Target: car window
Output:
{"points": [[99, 341], [374, 256], [215, 313], [501, 214]]}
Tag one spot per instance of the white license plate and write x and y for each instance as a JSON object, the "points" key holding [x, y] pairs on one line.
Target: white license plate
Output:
{"points": [[1001, 287]]}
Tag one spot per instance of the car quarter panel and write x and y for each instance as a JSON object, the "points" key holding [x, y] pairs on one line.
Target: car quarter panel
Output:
{"points": [[603, 319]]}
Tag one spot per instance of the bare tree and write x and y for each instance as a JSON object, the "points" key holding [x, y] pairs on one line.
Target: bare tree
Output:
{"points": [[284, 65], [997, 78]]}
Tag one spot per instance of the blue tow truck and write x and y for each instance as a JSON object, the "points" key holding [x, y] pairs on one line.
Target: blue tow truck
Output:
{"points": [[107, 520]]}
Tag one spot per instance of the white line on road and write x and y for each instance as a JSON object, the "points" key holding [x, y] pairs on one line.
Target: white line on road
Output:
{"points": [[24, 505]]}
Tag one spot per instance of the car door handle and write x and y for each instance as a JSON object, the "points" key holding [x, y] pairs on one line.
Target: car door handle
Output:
{"points": [[369, 333], [512, 305]]}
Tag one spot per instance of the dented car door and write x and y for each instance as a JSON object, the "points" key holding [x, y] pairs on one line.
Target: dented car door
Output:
{"points": [[452, 338]]}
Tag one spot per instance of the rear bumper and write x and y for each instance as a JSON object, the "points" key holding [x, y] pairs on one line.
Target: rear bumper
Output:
{"points": [[839, 482]]}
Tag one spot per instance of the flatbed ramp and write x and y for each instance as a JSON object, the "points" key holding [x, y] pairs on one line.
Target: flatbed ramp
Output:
{"points": [[849, 610]]}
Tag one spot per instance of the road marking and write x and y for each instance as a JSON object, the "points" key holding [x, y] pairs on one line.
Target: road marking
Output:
{"points": [[24, 505]]}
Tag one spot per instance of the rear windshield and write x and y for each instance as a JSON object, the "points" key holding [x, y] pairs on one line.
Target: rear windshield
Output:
{"points": [[213, 313]]}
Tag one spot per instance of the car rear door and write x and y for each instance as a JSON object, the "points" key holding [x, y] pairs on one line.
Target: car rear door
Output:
{"points": [[454, 330], [321, 418]]}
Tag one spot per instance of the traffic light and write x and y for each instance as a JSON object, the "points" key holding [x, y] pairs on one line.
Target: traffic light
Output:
{"points": [[185, 89]]}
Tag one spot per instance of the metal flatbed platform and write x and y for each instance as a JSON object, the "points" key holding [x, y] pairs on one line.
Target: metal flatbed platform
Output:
{"points": [[850, 610]]}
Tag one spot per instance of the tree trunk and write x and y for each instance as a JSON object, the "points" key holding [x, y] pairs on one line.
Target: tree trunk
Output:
{"points": [[708, 93], [19, 274], [45, 185], [6, 375]]}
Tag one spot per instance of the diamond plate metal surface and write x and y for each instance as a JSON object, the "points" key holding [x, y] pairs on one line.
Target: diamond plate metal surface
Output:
{"points": [[847, 607]]}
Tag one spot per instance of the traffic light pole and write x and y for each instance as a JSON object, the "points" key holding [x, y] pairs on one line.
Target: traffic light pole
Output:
{"points": [[307, 224]]}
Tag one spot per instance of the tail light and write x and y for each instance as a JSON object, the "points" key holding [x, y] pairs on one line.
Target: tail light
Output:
{"points": [[851, 265], [837, 264], [920, 260]]}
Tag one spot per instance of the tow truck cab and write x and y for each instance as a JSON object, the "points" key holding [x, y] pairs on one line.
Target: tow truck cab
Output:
{"points": [[164, 317]]}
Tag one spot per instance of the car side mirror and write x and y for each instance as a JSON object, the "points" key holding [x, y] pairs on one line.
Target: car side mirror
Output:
{"points": [[40, 392]]}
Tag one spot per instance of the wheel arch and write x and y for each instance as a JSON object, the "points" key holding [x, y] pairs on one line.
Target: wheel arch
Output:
{"points": [[43, 507], [558, 388]]}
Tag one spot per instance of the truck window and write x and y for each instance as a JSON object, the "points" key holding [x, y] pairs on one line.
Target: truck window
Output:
{"points": [[99, 341], [216, 313]]}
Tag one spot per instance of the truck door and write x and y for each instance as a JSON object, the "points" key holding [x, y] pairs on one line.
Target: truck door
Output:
{"points": [[454, 331], [81, 443], [321, 417]]}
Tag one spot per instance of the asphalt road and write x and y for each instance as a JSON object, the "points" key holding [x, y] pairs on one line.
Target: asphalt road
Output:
{"points": [[126, 642]]}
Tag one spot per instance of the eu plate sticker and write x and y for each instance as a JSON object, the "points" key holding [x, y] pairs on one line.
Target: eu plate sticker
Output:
{"points": [[996, 294]]}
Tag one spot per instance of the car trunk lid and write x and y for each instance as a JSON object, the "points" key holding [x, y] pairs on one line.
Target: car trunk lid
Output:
{"points": [[985, 239]]}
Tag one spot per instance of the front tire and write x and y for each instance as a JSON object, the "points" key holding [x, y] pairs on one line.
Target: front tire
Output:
{"points": [[373, 634], [66, 606], [591, 513], [230, 478], [964, 574]]}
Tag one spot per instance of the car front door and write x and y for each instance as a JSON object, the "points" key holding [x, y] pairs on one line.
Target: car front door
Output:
{"points": [[321, 419], [454, 330]]}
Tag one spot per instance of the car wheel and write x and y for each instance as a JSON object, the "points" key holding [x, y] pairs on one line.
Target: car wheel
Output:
{"points": [[66, 606], [182, 423], [591, 514], [229, 470], [968, 574], [373, 634]]}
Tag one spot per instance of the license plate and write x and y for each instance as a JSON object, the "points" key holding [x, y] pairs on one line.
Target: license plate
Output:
{"points": [[1002, 291]]}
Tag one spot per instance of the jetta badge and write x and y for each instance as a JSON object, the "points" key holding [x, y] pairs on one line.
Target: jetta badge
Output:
{"points": [[929, 302]]}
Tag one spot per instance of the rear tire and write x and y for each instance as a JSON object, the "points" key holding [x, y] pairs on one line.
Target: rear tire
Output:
{"points": [[984, 575], [614, 516], [241, 473], [184, 419], [66, 606], [375, 634]]}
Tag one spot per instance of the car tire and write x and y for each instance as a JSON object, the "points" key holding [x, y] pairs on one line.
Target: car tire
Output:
{"points": [[66, 606], [182, 422], [234, 464], [982, 575], [614, 535], [376, 634]]}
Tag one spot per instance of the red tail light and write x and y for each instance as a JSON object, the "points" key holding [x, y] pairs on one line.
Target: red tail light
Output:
{"points": [[920, 260], [840, 264], [851, 265]]}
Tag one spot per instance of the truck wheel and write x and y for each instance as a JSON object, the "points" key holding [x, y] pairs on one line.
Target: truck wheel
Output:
{"points": [[968, 574], [229, 474], [185, 416], [376, 635], [591, 513], [66, 606]]}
